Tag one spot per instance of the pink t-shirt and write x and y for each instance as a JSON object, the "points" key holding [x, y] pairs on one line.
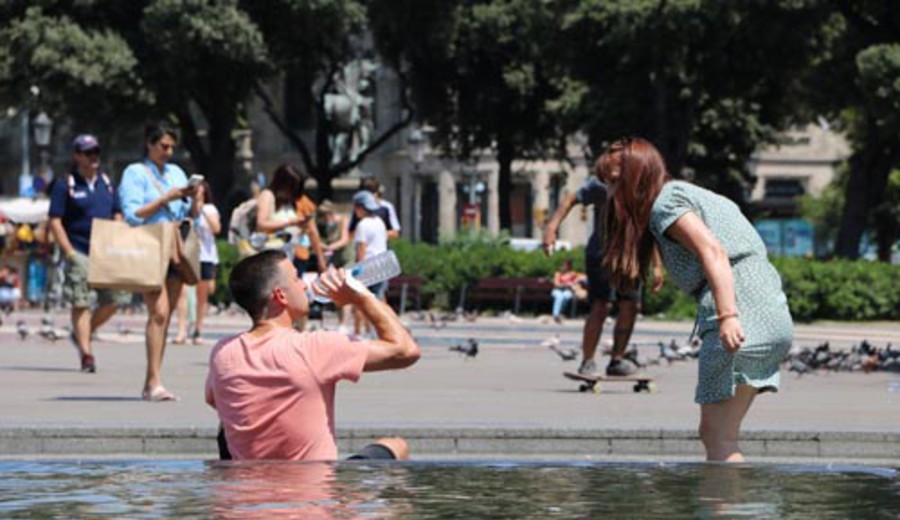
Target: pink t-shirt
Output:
{"points": [[275, 393]]}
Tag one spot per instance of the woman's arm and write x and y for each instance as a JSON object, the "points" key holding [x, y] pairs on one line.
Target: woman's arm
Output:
{"points": [[658, 275], [316, 242], [557, 279], [265, 209], [693, 235], [345, 237], [213, 219]]}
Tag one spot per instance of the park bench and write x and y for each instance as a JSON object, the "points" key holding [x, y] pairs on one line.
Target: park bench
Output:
{"points": [[507, 291], [402, 289]]}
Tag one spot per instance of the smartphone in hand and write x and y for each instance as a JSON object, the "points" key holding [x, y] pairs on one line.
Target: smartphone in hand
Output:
{"points": [[194, 180]]}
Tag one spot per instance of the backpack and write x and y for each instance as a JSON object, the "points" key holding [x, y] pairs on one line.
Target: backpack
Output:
{"points": [[243, 222]]}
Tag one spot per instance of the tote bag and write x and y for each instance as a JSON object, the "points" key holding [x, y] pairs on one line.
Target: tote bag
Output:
{"points": [[187, 252], [129, 258]]}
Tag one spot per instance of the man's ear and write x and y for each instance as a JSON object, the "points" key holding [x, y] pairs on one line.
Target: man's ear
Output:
{"points": [[279, 297]]}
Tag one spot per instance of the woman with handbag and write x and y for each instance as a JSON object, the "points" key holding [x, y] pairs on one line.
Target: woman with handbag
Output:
{"points": [[285, 213], [155, 191]]}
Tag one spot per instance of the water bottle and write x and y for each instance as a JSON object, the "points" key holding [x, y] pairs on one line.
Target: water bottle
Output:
{"points": [[375, 269]]}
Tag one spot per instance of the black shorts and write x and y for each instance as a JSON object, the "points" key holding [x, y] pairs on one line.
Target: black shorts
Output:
{"points": [[599, 287], [370, 452], [208, 270], [373, 452]]}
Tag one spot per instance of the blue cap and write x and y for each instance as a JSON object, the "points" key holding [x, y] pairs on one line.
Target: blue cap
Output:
{"points": [[85, 142], [366, 200]]}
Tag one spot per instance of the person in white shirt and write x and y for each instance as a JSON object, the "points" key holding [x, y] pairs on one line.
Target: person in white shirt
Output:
{"points": [[207, 224], [371, 238]]}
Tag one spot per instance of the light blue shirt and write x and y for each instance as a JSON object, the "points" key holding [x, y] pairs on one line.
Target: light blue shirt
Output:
{"points": [[137, 189]]}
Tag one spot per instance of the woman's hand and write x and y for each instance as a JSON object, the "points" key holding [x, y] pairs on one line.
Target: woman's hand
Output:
{"points": [[731, 334]]}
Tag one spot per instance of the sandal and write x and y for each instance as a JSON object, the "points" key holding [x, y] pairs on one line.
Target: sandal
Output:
{"points": [[158, 395], [179, 341]]}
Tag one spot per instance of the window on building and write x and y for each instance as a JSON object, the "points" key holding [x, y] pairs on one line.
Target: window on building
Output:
{"points": [[784, 188]]}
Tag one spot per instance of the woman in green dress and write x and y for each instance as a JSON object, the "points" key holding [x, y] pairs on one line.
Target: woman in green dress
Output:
{"points": [[712, 252]]}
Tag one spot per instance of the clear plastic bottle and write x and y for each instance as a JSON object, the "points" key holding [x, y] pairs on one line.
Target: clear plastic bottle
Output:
{"points": [[375, 269]]}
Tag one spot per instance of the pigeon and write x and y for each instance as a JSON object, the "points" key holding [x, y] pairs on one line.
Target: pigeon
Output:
{"points": [[47, 331], [799, 367], [122, 329], [471, 316], [22, 329], [668, 352], [470, 350], [631, 354], [567, 354], [436, 322]]}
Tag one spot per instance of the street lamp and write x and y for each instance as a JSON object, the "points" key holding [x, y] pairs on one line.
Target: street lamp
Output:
{"points": [[417, 143], [43, 128]]}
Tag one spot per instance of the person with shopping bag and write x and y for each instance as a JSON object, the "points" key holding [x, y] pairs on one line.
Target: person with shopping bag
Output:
{"points": [[156, 191], [85, 194]]}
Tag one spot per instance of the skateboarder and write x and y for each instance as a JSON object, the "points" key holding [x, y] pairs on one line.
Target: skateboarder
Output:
{"points": [[600, 293]]}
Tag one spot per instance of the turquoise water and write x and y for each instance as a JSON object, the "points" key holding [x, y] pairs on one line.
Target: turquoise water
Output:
{"points": [[432, 490]]}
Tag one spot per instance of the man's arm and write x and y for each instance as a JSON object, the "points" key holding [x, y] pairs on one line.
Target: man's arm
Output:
{"points": [[394, 348], [62, 238], [558, 216]]}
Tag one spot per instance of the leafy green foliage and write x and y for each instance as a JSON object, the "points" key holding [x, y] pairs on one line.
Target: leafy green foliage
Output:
{"points": [[707, 81], [228, 258], [840, 289], [84, 72]]}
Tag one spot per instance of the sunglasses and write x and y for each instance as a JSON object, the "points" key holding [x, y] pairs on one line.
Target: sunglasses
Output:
{"points": [[95, 152], [166, 146]]}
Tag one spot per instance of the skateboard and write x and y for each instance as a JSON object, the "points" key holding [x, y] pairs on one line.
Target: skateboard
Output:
{"points": [[592, 383]]}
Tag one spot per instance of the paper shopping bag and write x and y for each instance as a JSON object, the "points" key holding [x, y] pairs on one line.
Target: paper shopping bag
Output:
{"points": [[129, 258]]}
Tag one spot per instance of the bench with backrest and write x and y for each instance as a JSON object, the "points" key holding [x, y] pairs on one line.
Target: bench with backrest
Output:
{"points": [[404, 289], [510, 292]]}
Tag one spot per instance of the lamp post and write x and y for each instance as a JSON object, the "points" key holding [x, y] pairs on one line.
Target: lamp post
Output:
{"points": [[417, 142], [473, 187], [43, 129], [243, 140]]}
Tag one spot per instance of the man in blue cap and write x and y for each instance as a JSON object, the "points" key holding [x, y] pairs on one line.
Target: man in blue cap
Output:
{"points": [[75, 201]]}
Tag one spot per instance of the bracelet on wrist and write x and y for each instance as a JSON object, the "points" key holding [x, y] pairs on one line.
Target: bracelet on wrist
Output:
{"points": [[722, 317]]}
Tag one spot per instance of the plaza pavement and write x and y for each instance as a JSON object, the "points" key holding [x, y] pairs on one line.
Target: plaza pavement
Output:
{"points": [[511, 401]]}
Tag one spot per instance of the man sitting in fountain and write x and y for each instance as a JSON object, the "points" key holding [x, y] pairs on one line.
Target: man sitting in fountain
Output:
{"points": [[273, 387]]}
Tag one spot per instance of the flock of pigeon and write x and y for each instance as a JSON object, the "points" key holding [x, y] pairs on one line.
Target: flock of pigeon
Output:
{"points": [[49, 332], [863, 357], [668, 352]]}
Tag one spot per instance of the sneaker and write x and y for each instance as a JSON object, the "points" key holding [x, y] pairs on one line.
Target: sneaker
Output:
{"points": [[588, 368], [88, 364], [620, 367]]}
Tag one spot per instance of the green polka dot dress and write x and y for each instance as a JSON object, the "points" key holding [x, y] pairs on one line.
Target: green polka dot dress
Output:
{"points": [[761, 303]]}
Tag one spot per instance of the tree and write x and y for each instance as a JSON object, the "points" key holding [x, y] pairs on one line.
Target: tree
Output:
{"points": [[206, 55], [877, 151], [83, 72], [483, 74], [706, 81], [110, 64], [314, 43]]}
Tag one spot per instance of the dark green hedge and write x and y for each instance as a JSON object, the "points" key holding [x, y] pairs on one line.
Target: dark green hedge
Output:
{"points": [[840, 289], [816, 290]]}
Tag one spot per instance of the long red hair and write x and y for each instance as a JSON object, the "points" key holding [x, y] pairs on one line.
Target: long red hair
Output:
{"points": [[642, 174]]}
